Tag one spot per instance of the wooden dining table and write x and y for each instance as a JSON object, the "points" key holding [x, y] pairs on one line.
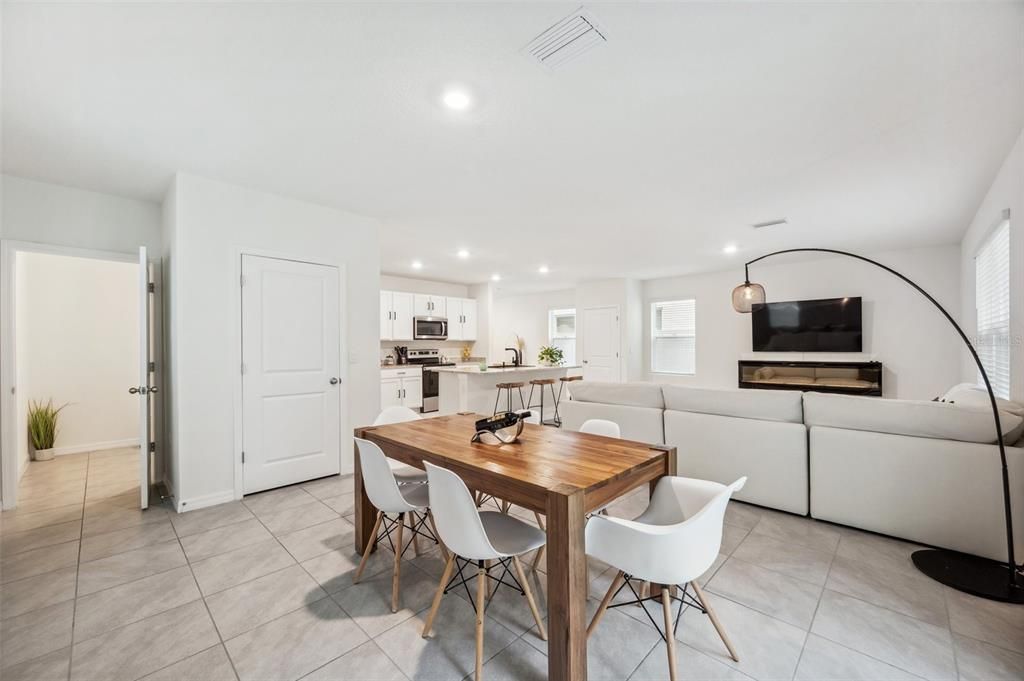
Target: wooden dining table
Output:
{"points": [[559, 473]]}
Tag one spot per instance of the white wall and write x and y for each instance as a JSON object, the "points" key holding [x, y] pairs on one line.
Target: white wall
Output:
{"points": [[918, 348], [78, 343], [1006, 193], [54, 214], [526, 316], [212, 223]]}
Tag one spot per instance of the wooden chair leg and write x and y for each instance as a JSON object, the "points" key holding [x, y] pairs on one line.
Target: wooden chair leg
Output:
{"points": [[670, 639], [445, 576], [538, 557], [433, 528], [529, 598], [366, 550], [415, 536], [606, 601], [540, 521], [481, 603], [396, 575], [714, 620]]}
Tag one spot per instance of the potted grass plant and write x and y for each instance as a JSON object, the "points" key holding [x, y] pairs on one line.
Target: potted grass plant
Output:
{"points": [[42, 428], [550, 356]]}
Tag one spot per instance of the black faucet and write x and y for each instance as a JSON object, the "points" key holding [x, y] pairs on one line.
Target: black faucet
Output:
{"points": [[518, 358]]}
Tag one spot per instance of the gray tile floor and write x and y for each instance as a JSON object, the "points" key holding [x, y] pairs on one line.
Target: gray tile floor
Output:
{"points": [[93, 589]]}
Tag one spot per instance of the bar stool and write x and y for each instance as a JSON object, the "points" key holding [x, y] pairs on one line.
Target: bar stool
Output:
{"points": [[550, 382], [566, 379], [508, 388]]}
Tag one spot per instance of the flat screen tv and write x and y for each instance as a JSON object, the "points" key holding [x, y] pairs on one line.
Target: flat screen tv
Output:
{"points": [[830, 325]]}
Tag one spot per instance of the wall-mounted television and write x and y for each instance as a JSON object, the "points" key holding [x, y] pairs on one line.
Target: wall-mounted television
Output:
{"points": [[829, 325]]}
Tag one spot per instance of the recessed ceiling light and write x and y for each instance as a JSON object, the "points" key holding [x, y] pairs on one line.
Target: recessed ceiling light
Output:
{"points": [[730, 249], [495, 277], [417, 265], [457, 100], [463, 253], [543, 269]]}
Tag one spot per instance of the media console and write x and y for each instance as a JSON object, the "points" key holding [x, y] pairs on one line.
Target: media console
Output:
{"points": [[849, 378]]}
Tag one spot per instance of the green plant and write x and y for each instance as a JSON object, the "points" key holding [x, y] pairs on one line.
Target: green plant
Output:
{"points": [[42, 424], [550, 355]]}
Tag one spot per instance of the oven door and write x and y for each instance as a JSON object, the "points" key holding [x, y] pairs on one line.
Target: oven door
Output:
{"points": [[430, 328]]}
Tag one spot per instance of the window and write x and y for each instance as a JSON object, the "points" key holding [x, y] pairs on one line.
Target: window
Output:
{"points": [[992, 300], [674, 337], [562, 333]]}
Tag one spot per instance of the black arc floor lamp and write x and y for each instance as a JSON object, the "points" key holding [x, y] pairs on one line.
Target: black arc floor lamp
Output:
{"points": [[971, 574]]}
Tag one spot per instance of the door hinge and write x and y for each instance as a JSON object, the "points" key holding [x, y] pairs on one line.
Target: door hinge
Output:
{"points": [[152, 446], [243, 368], [241, 280], [151, 287], [152, 366], [243, 457]]}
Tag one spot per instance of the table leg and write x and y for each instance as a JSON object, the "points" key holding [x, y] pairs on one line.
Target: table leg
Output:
{"points": [[567, 586], [365, 512]]}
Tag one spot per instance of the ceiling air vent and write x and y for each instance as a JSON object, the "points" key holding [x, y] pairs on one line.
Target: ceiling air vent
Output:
{"points": [[567, 39], [770, 223]]}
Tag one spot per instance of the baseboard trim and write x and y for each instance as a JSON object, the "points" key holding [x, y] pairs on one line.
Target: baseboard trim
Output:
{"points": [[95, 446], [184, 505]]}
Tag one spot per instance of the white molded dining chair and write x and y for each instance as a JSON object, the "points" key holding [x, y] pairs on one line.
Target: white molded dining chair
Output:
{"points": [[670, 544], [405, 474], [601, 427], [490, 539], [408, 502]]}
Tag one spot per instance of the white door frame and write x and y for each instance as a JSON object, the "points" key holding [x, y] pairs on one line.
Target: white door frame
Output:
{"points": [[9, 249], [582, 347], [236, 364]]}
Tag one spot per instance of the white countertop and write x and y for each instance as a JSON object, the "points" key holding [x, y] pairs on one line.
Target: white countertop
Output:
{"points": [[475, 369]]}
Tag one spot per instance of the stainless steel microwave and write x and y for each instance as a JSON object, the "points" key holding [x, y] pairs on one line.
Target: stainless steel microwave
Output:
{"points": [[430, 328]]}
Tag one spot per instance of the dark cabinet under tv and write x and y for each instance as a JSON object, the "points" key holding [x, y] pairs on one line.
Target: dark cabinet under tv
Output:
{"points": [[848, 378]]}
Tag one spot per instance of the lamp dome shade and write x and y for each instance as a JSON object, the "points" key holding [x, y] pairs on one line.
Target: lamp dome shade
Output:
{"points": [[746, 296]]}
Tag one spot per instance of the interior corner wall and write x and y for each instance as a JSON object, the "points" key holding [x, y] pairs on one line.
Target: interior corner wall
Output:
{"points": [[213, 223], [78, 345], [919, 350], [169, 282], [626, 295], [1005, 193]]}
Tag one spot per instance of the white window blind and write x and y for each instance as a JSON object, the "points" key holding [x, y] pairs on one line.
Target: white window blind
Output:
{"points": [[562, 333], [674, 337], [992, 301]]}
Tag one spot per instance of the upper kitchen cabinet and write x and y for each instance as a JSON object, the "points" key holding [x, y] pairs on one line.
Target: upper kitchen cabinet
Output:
{"points": [[396, 313], [430, 306], [461, 319]]}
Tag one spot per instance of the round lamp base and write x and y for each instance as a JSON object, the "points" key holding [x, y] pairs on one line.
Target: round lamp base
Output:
{"points": [[977, 576]]}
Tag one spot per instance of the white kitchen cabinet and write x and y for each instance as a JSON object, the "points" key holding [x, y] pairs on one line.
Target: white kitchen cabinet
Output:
{"points": [[430, 306], [461, 319], [401, 387], [396, 313]]}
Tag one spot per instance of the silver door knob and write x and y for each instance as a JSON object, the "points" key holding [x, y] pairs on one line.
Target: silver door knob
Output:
{"points": [[334, 381], [133, 391], [152, 389]]}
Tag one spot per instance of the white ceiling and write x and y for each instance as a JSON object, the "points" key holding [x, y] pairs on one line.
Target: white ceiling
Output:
{"points": [[870, 126]]}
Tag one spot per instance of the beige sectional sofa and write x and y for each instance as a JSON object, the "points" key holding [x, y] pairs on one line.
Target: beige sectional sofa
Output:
{"points": [[925, 471]]}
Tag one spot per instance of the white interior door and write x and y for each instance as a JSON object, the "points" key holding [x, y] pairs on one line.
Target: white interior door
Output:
{"points": [[145, 385], [291, 378], [601, 344]]}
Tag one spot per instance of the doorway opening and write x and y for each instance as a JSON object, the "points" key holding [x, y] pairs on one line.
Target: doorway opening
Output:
{"points": [[78, 328]]}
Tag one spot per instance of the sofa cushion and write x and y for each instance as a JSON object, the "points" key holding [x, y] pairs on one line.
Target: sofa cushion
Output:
{"points": [[970, 395], [940, 420], [627, 394], [766, 405]]}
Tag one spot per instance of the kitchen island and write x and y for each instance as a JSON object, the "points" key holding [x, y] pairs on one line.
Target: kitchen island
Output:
{"points": [[468, 388]]}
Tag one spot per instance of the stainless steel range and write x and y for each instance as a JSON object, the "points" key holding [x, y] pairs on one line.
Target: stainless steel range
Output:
{"points": [[429, 358]]}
